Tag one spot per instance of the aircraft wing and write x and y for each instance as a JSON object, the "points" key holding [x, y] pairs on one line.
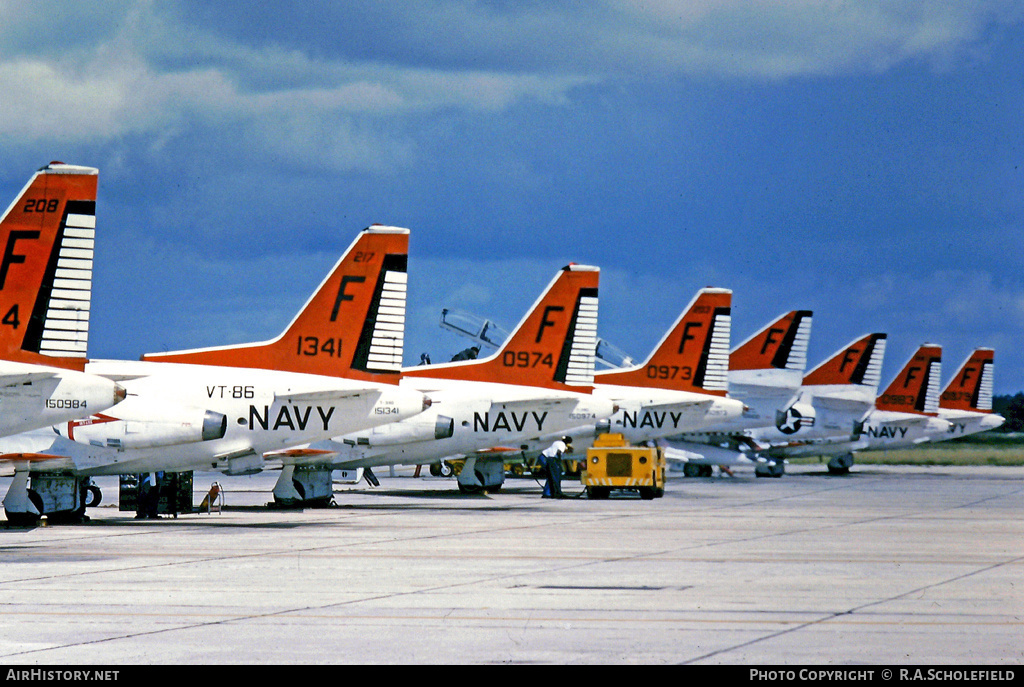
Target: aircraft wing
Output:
{"points": [[28, 460], [675, 454], [732, 439], [496, 451], [299, 453], [30, 457], [494, 454]]}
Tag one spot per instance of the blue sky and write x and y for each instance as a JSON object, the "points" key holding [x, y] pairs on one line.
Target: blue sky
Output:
{"points": [[860, 159]]}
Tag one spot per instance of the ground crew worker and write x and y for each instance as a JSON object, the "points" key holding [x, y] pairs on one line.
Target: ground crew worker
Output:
{"points": [[149, 497], [552, 457]]}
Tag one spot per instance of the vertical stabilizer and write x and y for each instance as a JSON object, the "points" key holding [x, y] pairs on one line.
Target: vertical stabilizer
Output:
{"points": [[916, 388], [782, 345], [693, 355], [352, 326], [552, 347], [971, 387], [858, 363], [47, 237]]}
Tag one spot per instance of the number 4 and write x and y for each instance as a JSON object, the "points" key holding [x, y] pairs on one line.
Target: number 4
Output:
{"points": [[11, 318]]}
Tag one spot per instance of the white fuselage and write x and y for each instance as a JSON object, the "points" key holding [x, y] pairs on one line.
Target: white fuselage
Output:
{"points": [[777, 414], [483, 415], [883, 429], [643, 415], [781, 416], [260, 411], [647, 414]]}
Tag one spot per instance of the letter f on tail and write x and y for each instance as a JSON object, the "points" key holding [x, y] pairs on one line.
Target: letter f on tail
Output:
{"points": [[971, 387], [352, 326], [916, 388], [694, 353], [552, 347], [46, 239]]}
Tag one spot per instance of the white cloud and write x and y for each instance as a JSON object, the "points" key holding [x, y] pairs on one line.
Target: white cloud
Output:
{"points": [[153, 77], [784, 38], [145, 68]]}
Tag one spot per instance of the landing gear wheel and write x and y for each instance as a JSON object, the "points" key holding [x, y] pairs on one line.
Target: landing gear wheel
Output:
{"points": [[774, 470], [446, 469], [840, 465], [94, 496]]}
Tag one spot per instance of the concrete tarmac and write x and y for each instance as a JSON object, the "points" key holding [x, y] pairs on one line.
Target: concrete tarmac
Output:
{"points": [[886, 566]]}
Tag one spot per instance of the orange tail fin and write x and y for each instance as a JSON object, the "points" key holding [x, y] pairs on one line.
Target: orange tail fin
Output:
{"points": [[971, 388], [693, 355], [782, 345], [352, 326], [916, 387], [47, 236], [552, 347], [859, 362]]}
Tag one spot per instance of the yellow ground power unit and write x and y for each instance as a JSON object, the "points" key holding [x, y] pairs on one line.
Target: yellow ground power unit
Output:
{"points": [[613, 464]]}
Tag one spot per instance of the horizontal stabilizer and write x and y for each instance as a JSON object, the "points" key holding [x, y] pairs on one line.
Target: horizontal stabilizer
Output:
{"points": [[323, 395], [845, 400], [668, 406], [918, 421], [540, 403], [25, 378]]}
